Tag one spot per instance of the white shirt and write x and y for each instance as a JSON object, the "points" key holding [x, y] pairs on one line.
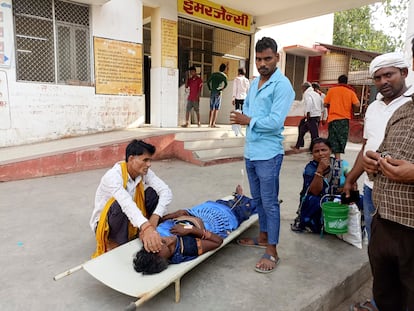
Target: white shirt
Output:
{"points": [[324, 110], [111, 185], [240, 87], [376, 118], [313, 102]]}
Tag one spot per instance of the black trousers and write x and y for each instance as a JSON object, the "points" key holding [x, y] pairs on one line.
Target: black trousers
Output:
{"points": [[391, 255], [118, 221], [307, 125], [238, 103]]}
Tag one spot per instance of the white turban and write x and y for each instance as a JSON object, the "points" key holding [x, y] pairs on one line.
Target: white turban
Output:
{"points": [[394, 59]]}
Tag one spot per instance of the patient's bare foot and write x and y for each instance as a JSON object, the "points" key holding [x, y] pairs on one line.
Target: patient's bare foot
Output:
{"points": [[239, 190]]}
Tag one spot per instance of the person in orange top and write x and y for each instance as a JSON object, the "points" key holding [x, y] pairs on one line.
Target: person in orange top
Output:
{"points": [[340, 100]]}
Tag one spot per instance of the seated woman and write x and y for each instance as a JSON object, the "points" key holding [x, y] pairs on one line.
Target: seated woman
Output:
{"points": [[323, 178], [189, 233]]}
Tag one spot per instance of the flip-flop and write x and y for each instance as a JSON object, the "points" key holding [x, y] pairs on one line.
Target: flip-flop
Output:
{"points": [[271, 258], [255, 243], [366, 306]]}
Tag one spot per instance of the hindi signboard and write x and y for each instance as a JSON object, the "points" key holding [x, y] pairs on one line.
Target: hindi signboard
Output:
{"points": [[118, 67]]}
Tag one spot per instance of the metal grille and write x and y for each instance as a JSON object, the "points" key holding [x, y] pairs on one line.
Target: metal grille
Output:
{"points": [[72, 13], [38, 8], [35, 56], [36, 43], [230, 42], [63, 36], [194, 48], [73, 54], [82, 72]]}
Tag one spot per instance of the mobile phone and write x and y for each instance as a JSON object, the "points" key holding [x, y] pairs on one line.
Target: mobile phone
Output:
{"points": [[353, 197]]}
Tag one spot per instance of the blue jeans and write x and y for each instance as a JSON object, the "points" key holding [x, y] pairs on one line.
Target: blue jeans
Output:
{"points": [[369, 209], [264, 187], [215, 101]]}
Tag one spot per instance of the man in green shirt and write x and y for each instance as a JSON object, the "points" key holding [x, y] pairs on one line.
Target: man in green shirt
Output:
{"points": [[216, 84]]}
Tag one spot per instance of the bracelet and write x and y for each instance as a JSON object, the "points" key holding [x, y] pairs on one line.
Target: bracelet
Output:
{"points": [[319, 174]]}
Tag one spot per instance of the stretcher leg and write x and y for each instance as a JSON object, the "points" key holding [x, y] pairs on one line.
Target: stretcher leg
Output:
{"points": [[68, 272], [177, 290]]}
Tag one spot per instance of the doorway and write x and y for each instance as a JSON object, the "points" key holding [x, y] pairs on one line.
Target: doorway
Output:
{"points": [[147, 88]]}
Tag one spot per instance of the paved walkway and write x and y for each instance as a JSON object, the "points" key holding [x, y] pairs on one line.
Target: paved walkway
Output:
{"points": [[45, 231]]}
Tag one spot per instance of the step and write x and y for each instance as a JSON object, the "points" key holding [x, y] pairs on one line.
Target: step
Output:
{"points": [[219, 153], [223, 144], [214, 143], [200, 134], [200, 146]]}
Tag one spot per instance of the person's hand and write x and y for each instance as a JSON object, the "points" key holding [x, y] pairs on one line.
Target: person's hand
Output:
{"points": [[239, 118], [154, 220], [233, 102], [397, 170], [150, 238], [181, 229], [370, 162], [355, 186], [348, 186], [323, 165], [239, 190]]}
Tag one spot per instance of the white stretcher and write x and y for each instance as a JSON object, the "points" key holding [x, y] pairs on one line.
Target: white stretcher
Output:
{"points": [[115, 269]]}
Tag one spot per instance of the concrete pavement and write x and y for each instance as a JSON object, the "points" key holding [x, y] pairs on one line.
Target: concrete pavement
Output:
{"points": [[44, 225]]}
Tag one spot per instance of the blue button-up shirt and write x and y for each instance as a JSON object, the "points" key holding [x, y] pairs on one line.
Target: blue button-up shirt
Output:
{"points": [[267, 107]]}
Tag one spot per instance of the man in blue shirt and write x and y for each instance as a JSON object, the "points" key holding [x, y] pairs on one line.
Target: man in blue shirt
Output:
{"points": [[264, 111]]}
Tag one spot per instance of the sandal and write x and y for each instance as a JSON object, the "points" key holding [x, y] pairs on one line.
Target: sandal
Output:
{"points": [[365, 306], [266, 256]]}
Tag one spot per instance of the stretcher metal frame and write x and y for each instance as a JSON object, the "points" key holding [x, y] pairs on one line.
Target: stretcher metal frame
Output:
{"points": [[115, 269]]}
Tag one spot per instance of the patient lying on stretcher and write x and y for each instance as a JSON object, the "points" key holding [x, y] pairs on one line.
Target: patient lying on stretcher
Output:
{"points": [[189, 233]]}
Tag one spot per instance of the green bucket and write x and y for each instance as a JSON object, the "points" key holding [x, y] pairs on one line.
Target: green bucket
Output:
{"points": [[335, 217]]}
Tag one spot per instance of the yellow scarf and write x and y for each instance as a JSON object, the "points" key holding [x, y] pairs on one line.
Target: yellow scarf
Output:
{"points": [[102, 230]]}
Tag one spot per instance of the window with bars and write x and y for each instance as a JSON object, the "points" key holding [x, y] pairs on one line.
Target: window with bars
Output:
{"points": [[52, 41], [205, 47], [295, 72], [195, 43]]}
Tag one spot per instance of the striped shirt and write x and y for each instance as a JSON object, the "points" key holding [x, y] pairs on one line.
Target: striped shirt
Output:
{"points": [[395, 200]]}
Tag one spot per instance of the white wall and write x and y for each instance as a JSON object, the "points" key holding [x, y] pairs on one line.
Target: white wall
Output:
{"points": [[39, 112], [118, 19], [305, 33], [164, 81]]}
